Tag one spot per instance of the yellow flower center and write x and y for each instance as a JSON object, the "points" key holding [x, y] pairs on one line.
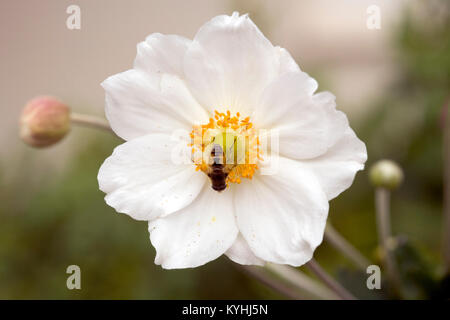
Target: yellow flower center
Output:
{"points": [[227, 149]]}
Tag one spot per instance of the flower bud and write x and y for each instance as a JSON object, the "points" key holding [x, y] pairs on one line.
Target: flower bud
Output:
{"points": [[386, 174], [44, 121]]}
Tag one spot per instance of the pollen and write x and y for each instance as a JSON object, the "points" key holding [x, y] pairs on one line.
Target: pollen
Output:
{"points": [[237, 139]]}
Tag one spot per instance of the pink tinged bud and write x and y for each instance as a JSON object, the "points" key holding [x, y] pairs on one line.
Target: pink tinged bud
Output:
{"points": [[44, 121]]}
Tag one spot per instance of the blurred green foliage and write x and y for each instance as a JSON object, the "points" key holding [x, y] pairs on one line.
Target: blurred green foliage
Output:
{"points": [[66, 221], [406, 126]]}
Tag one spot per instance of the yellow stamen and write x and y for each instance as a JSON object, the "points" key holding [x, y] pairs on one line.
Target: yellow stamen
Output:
{"points": [[244, 139]]}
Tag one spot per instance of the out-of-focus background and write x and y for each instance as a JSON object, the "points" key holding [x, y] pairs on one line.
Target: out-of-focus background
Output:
{"points": [[392, 83]]}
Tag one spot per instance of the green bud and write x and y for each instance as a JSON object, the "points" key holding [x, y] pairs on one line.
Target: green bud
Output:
{"points": [[386, 174]]}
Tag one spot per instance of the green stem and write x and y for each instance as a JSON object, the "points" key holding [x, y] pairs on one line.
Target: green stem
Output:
{"points": [[90, 121], [259, 274], [346, 248], [335, 286], [446, 161], [301, 281], [382, 203]]}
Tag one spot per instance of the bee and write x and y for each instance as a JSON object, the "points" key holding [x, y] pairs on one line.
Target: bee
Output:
{"points": [[218, 170]]}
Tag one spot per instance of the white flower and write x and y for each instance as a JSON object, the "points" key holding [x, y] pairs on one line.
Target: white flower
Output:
{"points": [[230, 76]]}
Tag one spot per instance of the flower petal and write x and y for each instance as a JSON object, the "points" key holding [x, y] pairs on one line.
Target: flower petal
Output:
{"points": [[241, 253], [287, 63], [282, 216], [142, 180], [161, 54], [137, 104], [336, 169], [229, 63], [196, 234], [336, 120], [307, 124]]}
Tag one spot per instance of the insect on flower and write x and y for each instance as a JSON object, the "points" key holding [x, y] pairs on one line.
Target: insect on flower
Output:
{"points": [[225, 88], [218, 170]]}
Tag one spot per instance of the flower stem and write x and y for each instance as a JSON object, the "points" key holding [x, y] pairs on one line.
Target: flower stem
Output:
{"points": [[277, 286], [302, 282], [340, 243], [90, 121], [329, 281], [382, 203], [446, 161]]}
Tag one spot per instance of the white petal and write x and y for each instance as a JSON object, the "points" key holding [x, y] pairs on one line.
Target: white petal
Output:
{"points": [[337, 122], [229, 63], [337, 168], [161, 54], [137, 104], [282, 216], [287, 63], [141, 179], [241, 253], [307, 124], [196, 234], [286, 95]]}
